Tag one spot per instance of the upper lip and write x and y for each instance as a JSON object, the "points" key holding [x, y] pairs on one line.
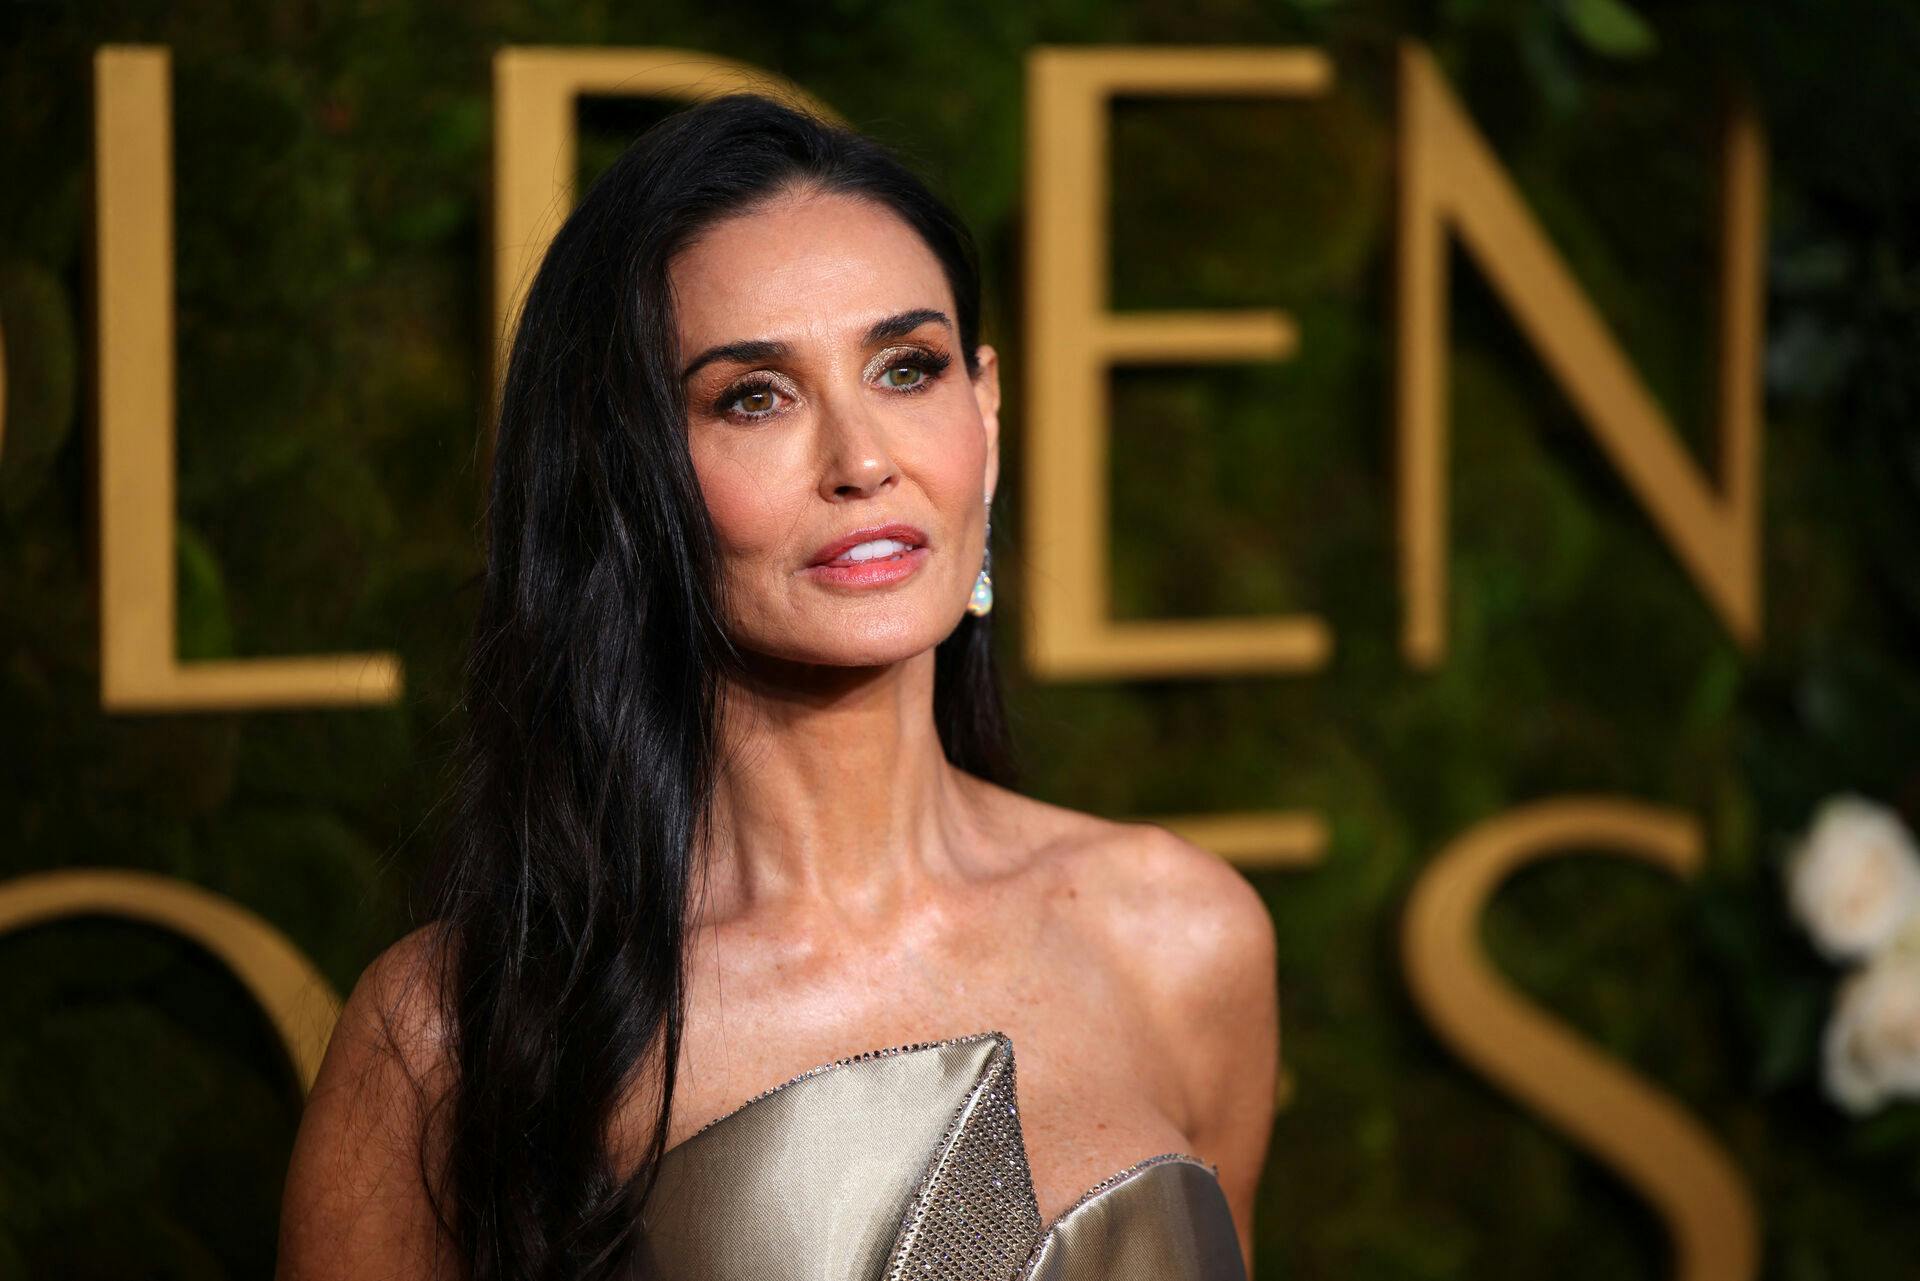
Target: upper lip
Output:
{"points": [[912, 535]]}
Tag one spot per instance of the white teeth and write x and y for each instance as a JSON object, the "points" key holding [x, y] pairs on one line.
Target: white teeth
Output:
{"points": [[874, 550]]}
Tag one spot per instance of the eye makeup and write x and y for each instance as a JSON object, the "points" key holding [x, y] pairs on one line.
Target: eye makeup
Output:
{"points": [[930, 362]]}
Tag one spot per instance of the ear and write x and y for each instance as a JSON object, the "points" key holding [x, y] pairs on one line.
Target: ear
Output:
{"points": [[986, 392]]}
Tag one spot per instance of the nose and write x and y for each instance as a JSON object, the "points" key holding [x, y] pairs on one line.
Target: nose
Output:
{"points": [[856, 461]]}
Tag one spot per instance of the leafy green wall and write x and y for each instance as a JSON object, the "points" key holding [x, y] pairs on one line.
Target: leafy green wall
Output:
{"points": [[332, 169]]}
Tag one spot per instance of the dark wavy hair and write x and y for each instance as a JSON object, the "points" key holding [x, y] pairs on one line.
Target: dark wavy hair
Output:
{"points": [[586, 764]]}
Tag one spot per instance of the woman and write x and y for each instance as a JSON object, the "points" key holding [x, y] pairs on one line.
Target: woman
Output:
{"points": [[739, 923]]}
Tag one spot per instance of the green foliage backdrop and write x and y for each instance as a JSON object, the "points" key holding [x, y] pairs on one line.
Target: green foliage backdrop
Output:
{"points": [[332, 171]]}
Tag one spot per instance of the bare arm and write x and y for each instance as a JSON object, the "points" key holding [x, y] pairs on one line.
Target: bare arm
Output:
{"points": [[1215, 969], [356, 1204], [1238, 1051]]}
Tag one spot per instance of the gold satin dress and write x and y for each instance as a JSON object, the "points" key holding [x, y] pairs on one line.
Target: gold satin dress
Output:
{"points": [[908, 1164]]}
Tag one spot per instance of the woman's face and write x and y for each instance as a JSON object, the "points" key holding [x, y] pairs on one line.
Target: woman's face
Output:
{"points": [[827, 399]]}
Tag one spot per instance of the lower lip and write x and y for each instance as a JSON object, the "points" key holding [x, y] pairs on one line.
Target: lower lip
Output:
{"points": [[871, 573]]}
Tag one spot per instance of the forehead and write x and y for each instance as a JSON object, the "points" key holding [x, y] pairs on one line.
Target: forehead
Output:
{"points": [[819, 265]]}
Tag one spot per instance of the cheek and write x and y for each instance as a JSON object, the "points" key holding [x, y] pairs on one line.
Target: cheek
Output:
{"points": [[952, 468], [746, 511]]}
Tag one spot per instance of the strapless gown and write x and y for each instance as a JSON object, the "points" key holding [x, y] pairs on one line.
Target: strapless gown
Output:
{"points": [[909, 1163]]}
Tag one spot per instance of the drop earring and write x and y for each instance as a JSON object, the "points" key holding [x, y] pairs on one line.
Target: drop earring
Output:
{"points": [[981, 602]]}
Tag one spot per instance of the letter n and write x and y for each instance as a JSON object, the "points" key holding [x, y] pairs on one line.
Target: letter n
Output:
{"points": [[1450, 180]]}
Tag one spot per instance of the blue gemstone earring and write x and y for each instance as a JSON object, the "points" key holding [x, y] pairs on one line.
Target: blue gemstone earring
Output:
{"points": [[981, 602]]}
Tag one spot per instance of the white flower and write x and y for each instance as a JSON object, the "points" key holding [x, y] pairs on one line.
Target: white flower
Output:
{"points": [[1854, 880], [1872, 1042]]}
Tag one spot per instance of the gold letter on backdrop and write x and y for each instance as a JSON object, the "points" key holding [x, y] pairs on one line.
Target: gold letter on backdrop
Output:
{"points": [[297, 999], [534, 144], [1650, 1140], [1449, 178], [140, 669], [1077, 341]]}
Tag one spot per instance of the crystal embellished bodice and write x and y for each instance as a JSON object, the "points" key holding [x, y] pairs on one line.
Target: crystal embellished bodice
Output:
{"points": [[909, 1162]]}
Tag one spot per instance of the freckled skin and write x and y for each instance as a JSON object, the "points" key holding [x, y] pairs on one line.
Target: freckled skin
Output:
{"points": [[857, 891], [998, 933]]}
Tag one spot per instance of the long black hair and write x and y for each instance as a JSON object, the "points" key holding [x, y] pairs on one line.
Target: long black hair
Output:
{"points": [[586, 764]]}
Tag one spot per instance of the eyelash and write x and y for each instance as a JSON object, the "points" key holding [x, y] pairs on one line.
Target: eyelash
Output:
{"points": [[931, 363]]}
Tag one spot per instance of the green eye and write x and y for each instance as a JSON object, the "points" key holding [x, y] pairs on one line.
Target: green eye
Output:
{"points": [[914, 371]]}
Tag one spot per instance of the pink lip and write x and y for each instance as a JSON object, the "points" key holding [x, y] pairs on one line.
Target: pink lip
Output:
{"points": [[828, 567], [839, 546]]}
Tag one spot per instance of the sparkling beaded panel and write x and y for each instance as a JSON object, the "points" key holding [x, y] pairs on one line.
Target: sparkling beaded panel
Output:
{"points": [[973, 1216]]}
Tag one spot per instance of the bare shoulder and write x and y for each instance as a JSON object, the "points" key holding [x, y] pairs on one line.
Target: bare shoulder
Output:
{"points": [[393, 1016], [355, 1194], [1188, 930], [1199, 934], [1200, 946]]}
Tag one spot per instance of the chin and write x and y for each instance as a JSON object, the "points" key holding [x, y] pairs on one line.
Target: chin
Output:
{"points": [[875, 642]]}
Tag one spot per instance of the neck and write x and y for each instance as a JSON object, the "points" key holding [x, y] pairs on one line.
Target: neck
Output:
{"points": [[833, 793]]}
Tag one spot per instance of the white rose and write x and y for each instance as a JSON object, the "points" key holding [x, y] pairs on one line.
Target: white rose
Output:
{"points": [[1872, 1042], [1854, 879]]}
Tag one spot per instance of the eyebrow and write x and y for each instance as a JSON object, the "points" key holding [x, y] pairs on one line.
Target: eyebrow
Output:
{"points": [[756, 350]]}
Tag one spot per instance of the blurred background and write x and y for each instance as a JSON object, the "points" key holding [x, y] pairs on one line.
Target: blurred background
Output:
{"points": [[332, 171]]}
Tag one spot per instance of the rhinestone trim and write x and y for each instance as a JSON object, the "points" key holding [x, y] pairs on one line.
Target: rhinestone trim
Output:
{"points": [[964, 1222], [972, 1215], [1101, 1188], [911, 1047]]}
